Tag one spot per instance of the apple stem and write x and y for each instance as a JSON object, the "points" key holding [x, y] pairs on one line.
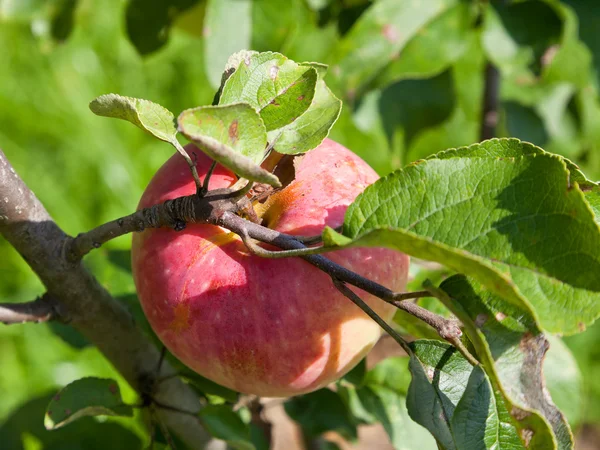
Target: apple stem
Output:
{"points": [[204, 189]]}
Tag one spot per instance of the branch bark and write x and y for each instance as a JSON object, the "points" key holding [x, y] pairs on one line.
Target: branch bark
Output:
{"points": [[28, 227], [489, 114]]}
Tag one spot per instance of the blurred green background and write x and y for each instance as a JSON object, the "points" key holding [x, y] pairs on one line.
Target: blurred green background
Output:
{"points": [[410, 89]]}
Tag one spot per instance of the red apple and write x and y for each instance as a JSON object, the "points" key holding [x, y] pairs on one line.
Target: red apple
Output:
{"points": [[270, 327]]}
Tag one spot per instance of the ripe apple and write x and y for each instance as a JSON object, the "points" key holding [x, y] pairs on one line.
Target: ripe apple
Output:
{"points": [[270, 327]]}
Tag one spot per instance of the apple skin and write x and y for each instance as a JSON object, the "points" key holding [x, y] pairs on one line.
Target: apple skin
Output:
{"points": [[269, 327]]}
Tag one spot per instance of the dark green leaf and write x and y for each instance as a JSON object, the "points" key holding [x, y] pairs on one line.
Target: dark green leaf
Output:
{"points": [[227, 29], [503, 243], [62, 22], [321, 411], [278, 88], [233, 134], [411, 106], [456, 402], [148, 22], [149, 116], [24, 423], [85, 397], [223, 423], [357, 374]]}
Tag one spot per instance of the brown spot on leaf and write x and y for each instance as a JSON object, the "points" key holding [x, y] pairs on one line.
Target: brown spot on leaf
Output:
{"points": [[233, 131], [113, 389], [390, 33], [274, 102], [56, 397], [581, 326], [519, 413], [527, 435], [68, 412], [300, 98]]}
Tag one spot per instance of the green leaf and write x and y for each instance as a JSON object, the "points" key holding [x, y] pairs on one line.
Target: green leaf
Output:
{"points": [[321, 411], [382, 398], [227, 29], [456, 402], [389, 408], [515, 211], [309, 130], [377, 37], [593, 198], [85, 397], [357, 375], [149, 116], [233, 135], [431, 51], [511, 348], [148, 22], [87, 433], [209, 387], [278, 88], [391, 373], [223, 423]]}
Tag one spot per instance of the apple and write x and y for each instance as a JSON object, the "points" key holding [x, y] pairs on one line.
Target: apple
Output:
{"points": [[269, 327]]}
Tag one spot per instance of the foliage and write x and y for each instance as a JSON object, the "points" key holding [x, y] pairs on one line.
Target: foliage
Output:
{"points": [[519, 222]]}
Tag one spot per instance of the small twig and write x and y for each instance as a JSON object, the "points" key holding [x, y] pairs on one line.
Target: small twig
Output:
{"points": [[42, 309], [191, 164], [204, 189], [274, 254], [489, 113], [161, 358], [349, 293], [401, 296]]}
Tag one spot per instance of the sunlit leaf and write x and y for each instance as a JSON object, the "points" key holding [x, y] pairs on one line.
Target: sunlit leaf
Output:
{"points": [[278, 88], [149, 116], [516, 248], [233, 134]]}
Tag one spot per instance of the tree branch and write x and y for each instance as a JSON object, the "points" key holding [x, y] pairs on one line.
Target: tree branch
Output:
{"points": [[489, 113], [28, 227], [42, 309]]}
